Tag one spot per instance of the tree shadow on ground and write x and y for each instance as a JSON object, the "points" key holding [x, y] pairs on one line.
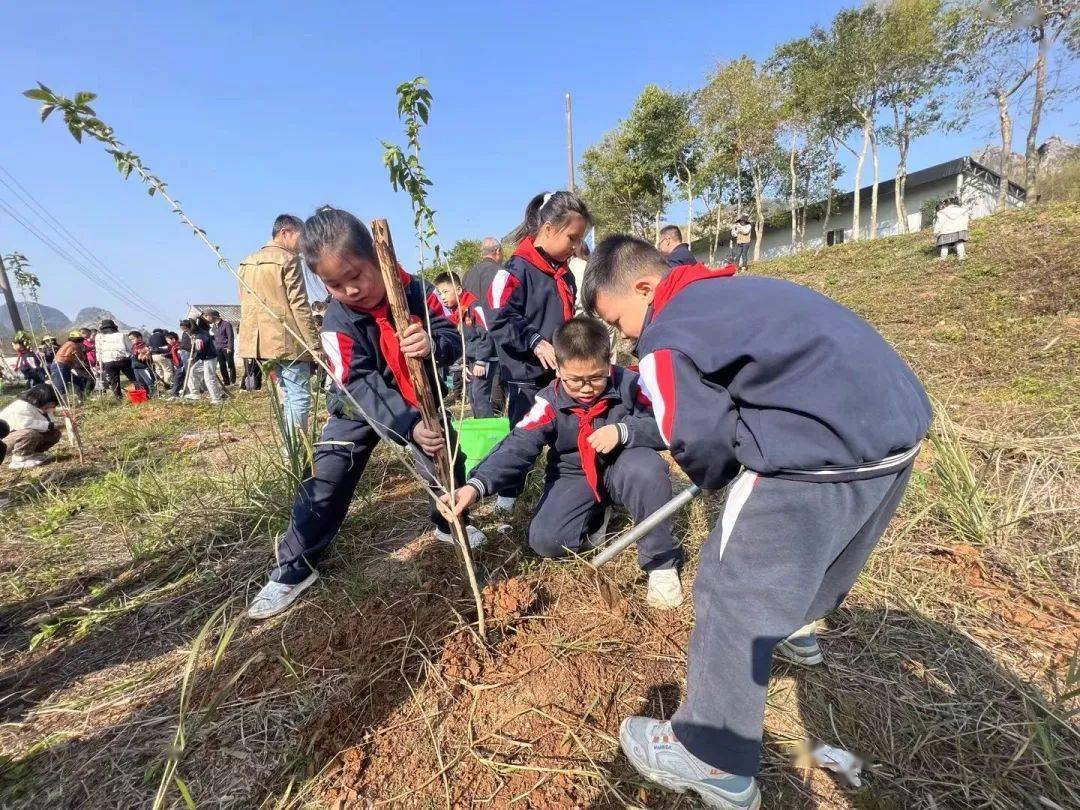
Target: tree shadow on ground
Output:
{"points": [[941, 721]]}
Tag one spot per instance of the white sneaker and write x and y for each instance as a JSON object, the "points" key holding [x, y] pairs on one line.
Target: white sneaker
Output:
{"points": [[652, 749], [476, 537], [505, 503], [801, 647], [192, 397], [665, 589], [28, 462], [276, 597]]}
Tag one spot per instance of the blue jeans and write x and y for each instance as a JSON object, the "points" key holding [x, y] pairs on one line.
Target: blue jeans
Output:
{"points": [[296, 381]]}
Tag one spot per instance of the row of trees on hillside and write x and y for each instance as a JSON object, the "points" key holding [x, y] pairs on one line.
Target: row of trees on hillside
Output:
{"points": [[881, 75]]}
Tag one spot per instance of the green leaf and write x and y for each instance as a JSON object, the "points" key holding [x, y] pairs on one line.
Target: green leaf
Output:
{"points": [[46, 110], [84, 97], [151, 191], [39, 95], [75, 130]]}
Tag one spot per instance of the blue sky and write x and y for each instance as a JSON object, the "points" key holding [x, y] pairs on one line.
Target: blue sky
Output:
{"points": [[250, 109]]}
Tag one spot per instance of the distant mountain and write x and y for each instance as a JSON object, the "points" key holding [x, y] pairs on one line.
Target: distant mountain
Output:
{"points": [[56, 323], [32, 316]]}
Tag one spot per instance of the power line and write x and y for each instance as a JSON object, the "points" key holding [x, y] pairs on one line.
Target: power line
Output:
{"points": [[92, 275], [76, 244]]}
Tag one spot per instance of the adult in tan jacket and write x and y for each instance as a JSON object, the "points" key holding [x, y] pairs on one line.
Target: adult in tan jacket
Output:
{"points": [[273, 296]]}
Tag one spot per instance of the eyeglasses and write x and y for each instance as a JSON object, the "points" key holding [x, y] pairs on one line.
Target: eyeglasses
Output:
{"points": [[593, 382]]}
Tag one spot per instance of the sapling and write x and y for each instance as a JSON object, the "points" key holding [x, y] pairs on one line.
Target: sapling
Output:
{"points": [[82, 121]]}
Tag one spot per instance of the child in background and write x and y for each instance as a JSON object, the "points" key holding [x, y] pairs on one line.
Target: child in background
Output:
{"points": [[532, 297], [142, 361], [462, 307], [203, 364], [114, 351], [28, 364], [366, 352], [32, 431], [602, 441], [815, 421]]}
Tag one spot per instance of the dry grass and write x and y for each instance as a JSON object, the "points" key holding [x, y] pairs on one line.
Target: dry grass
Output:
{"points": [[952, 666]]}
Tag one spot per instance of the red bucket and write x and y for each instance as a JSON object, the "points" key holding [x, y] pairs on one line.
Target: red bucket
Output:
{"points": [[137, 396]]}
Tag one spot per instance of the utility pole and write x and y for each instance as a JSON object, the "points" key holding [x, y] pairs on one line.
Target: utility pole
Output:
{"points": [[9, 298], [570, 142]]}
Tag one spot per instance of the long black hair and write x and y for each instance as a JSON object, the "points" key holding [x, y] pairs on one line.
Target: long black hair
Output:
{"points": [[332, 230], [555, 208]]}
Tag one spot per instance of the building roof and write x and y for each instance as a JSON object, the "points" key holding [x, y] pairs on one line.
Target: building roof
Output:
{"points": [[228, 312]]}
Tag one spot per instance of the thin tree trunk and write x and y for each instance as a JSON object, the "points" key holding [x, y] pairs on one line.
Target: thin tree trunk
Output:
{"points": [[1005, 121], [656, 234], [874, 184], [805, 207], [829, 195], [689, 207], [856, 201], [759, 218], [903, 141], [791, 197], [1031, 157], [738, 187], [716, 233]]}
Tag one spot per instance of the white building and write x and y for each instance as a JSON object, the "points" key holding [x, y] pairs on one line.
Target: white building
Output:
{"points": [[975, 185]]}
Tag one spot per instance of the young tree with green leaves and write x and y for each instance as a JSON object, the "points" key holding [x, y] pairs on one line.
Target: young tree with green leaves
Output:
{"points": [[620, 193]]}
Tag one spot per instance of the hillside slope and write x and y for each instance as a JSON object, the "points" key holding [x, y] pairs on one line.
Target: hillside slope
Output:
{"points": [[948, 666]]}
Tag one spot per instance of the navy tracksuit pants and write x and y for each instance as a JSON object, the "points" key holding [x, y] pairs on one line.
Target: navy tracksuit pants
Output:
{"points": [[784, 554], [480, 393], [638, 479], [519, 401], [340, 456]]}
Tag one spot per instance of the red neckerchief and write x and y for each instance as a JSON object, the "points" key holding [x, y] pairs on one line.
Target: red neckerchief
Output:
{"points": [[464, 303], [682, 277], [526, 249], [390, 345], [585, 417]]}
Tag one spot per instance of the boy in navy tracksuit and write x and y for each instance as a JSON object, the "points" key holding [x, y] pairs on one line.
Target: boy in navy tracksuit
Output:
{"points": [[366, 352], [463, 310], [533, 296], [602, 445], [815, 422]]}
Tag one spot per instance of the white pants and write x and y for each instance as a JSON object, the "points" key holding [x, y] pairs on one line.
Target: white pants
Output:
{"points": [[203, 376]]}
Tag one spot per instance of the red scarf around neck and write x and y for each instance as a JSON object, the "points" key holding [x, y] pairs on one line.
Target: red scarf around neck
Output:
{"points": [[526, 249], [390, 345], [585, 416], [682, 277]]}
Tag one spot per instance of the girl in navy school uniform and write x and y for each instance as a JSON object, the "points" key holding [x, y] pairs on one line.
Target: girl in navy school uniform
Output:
{"points": [[531, 297], [366, 352]]}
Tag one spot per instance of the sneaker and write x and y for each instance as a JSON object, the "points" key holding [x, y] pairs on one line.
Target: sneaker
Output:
{"points": [[27, 462], [665, 589], [277, 597], [505, 503], [192, 397], [476, 537], [596, 539], [801, 647], [652, 749]]}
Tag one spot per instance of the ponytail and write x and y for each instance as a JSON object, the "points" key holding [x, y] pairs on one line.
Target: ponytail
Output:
{"points": [[554, 208]]}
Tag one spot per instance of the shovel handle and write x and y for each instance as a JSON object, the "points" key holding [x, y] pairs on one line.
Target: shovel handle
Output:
{"points": [[647, 525]]}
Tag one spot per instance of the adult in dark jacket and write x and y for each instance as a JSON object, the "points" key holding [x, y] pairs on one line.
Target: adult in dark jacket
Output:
{"points": [[159, 351], [675, 251], [532, 297], [225, 343]]}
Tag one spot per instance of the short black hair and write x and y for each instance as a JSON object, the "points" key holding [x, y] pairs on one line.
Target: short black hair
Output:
{"points": [[135, 332], [615, 264], [172, 335], [333, 230], [582, 338], [448, 277], [287, 222], [671, 230], [40, 396], [187, 322]]}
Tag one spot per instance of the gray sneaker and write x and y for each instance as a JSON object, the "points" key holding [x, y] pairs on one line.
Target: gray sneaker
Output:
{"points": [[801, 647], [277, 597], [652, 749]]}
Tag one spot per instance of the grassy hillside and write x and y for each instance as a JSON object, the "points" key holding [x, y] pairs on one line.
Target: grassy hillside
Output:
{"points": [[952, 667]]}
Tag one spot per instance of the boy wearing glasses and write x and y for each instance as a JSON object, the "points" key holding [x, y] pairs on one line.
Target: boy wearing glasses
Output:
{"points": [[602, 442]]}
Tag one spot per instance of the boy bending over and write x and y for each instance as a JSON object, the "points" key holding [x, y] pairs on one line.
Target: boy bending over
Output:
{"points": [[602, 442], [814, 421]]}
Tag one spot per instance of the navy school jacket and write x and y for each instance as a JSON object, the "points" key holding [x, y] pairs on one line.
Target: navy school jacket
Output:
{"points": [[766, 374], [351, 342], [681, 255], [525, 308], [479, 347], [551, 424]]}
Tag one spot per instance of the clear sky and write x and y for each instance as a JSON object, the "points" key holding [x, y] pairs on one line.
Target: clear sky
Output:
{"points": [[248, 109]]}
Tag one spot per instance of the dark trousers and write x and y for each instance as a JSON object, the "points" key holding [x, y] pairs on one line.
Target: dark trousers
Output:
{"points": [[783, 554], [64, 379], [227, 366], [111, 372], [339, 459], [638, 479], [519, 401], [480, 393], [253, 375], [742, 255], [179, 378]]}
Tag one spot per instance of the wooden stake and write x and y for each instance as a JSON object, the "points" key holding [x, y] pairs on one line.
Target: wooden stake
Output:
{"points": [[429, 409]]}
